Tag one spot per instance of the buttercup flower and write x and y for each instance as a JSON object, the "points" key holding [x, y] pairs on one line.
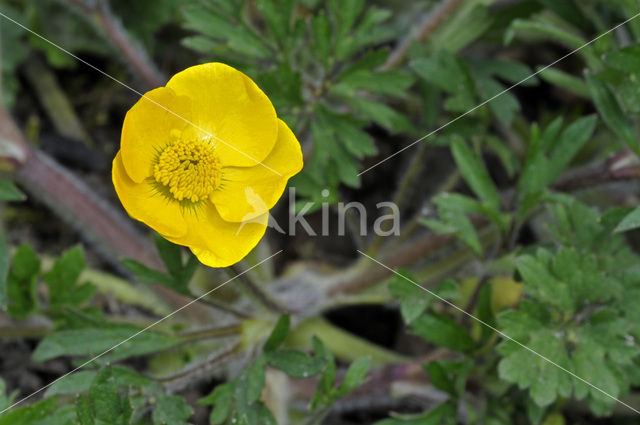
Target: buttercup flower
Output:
{"points": [[203, 159]]}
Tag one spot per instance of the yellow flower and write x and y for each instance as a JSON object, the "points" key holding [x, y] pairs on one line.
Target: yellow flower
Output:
{"points": [[203, 159]]}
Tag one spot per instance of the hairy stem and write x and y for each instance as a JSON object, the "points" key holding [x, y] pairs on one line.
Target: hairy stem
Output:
{"points": [[135, 56], [429, 24]]}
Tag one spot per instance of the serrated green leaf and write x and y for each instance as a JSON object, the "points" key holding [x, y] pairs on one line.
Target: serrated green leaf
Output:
{"points": [[62, 278], [544, 380], [541, 284], [22, 281], [171, 410], [84, 414], [105, 397], [518, 324], [591, 366], [442, 331]]}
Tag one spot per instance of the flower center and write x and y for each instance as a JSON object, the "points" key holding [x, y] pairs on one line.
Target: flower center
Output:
{"points": [[190, 169]]}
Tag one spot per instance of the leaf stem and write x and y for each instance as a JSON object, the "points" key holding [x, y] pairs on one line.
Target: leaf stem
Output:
{"points": [[209, 333]]}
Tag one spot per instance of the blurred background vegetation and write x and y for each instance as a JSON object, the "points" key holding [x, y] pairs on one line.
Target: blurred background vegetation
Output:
{"points": [[520, 212]]}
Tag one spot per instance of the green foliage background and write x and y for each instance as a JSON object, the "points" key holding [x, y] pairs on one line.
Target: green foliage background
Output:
{"points": [[536, 213]]}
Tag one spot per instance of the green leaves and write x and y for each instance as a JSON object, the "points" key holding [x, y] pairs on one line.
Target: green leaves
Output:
{"points": [[61, 280], [95, 341], [475, 173], [544, 380], [171, 410], [611, 113], [179, 272], [9, 191], [413, 300], [41, 413], [442, 331], [327, 392], [22, 281], [295, 363], [549, 155], [278, 335], [222, 30], [575, 316], [450, 74], [630, 221], [238, 401], [321, 70], [437, 328], [453, 208], [449, 376], [110, 399]]}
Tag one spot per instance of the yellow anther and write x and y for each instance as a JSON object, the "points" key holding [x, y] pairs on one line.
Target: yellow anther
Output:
{"points": [[189, 168]]}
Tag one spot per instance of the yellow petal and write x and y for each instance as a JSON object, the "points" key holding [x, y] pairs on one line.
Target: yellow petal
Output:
{"points": [[248, 192], [147, 129], [218, 243], [143, 203], [229, 106]]}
